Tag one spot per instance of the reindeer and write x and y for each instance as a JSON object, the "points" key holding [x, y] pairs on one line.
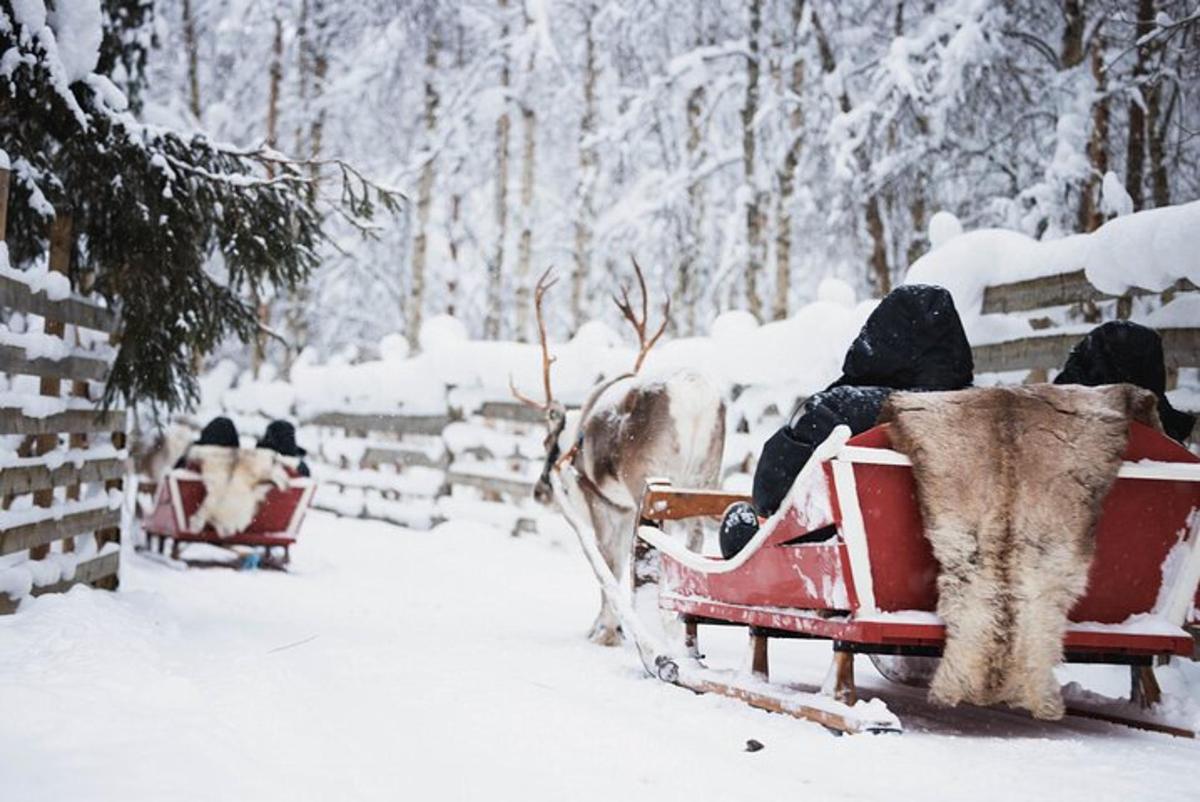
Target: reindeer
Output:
{"points": [[626, 432]]}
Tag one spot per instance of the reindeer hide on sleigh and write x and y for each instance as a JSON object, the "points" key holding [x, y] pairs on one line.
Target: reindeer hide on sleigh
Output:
{"points": [[1010, 483], [236, 480]]}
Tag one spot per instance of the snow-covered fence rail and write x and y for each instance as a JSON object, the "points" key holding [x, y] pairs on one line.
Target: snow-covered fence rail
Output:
{"points": [[1048, 349], [62, 461], [418, 470], [384, 466], [1061, 289], [1181, 349], [386, 424]]}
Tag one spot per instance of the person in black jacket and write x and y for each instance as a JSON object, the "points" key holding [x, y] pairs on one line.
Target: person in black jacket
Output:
{"points": [[914, 340], [280, 437], [1121, 351]]}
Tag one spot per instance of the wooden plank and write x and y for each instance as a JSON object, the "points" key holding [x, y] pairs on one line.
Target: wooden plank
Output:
{"points": [[1062, 289], [14, 361], [663, 503], [389, 424], [76, 442], [375, 456], [496, 484], [112, 532], [14, 421], [3, 204], [511, 411], [30, 536], [1181, 348], [17, 295], [89, 572], [28, 478], [51, 386]]}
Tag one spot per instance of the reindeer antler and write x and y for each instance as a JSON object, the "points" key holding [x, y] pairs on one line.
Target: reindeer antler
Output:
{"points": [[539, 292], [639, 326]]}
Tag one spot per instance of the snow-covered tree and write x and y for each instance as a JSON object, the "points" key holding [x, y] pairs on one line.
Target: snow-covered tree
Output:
{"points": [[177, 230], [742, 151]]}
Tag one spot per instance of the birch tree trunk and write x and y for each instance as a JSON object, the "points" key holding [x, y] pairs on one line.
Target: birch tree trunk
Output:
{"points": [[787, 173], [1090, 215], [754, 223], [320, 70], [416, 293], [1135, 152], [303, 74], [275, 77], [685, 292], [878, 271], [455, 233], [1158, 123], [1072, 38], [528, 173], [491, 327], [1159, 177], [193, 60], [587, 176]]}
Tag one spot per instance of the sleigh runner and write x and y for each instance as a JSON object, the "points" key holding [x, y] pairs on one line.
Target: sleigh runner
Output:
{"points": [[845, 560], [275, 525]]}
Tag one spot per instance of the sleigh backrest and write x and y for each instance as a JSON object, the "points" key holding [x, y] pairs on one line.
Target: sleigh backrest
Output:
{"points": [[1146, 551], [182, 491]]}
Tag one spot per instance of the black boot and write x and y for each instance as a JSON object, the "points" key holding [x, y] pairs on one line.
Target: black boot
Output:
{"points": [[738, 527]]}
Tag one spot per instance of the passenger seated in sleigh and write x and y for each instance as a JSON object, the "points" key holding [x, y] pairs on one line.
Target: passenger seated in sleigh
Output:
{"points": [[237, 480], [914, 341]]}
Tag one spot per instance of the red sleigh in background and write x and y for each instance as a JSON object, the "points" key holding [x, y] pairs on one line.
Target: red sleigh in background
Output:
{"points": [[845, 559], [275, 525]]}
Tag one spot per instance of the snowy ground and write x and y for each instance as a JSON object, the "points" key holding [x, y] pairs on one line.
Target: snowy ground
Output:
{"points": [[394, 664]]}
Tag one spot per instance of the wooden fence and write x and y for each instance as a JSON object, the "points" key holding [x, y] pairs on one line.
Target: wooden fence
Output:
{"points": [[420, 470], [64, 486], [1048, 349], [482, 461]]}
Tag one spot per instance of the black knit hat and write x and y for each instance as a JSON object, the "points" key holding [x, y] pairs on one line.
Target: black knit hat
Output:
{"points": [[1122, 351], [280, 436], [220, 431]]}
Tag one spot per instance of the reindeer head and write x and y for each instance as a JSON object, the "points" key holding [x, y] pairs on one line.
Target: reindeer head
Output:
{"points": [[555, 413]]}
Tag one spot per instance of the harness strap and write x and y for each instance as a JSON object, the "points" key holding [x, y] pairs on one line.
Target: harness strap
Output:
{"points": [[586, 482]]}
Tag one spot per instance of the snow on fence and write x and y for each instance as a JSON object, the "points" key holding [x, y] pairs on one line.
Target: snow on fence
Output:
{"points": [[1048, 350], [62, 461], [1025, 303], [421, 470], [477, 461], [425, 437]]}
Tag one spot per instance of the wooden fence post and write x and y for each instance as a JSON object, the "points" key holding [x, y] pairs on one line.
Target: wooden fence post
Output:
{"points": [[7, 500], [79, 389], [60, 260], [3, 204]]}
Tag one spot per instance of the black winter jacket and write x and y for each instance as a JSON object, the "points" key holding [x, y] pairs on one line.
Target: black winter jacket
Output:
{"points": [[914, 340], [1121, 351]]}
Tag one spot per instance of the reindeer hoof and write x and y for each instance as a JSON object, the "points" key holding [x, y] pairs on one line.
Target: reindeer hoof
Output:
{"points": [[605, 636]]}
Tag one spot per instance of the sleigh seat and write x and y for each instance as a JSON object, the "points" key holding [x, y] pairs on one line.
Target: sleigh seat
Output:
{"points": [[275, 525], [846, 559]]}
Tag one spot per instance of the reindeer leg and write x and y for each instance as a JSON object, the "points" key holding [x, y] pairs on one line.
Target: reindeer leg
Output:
{"points": [[606, 631]]}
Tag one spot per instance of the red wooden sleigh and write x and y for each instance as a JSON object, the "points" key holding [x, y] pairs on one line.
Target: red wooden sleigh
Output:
{"points": [[275, 525], [845, 559]]}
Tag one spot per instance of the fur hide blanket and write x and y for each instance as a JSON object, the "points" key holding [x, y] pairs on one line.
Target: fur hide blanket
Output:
{"points": [[1010, 482], [236, 480]]}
